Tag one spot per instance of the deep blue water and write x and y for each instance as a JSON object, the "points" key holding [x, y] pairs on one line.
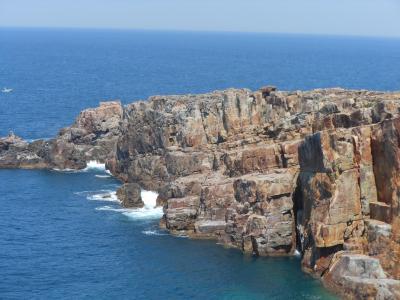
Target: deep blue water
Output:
{"points": [[57, 73], [57, 243]]}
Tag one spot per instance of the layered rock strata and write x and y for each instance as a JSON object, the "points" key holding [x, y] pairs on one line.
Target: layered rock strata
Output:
{"points": [[267, 172], [93, 136]]}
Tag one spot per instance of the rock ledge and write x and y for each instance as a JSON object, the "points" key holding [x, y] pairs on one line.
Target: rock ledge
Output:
{"points": [[268, 172]]}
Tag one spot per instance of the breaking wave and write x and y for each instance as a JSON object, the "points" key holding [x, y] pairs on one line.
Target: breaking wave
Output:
{"points": [[107, 196], [102, 176], [95, 165], [149, 211], [100, 195], [154, 232], [91, 165], [66, 170]]}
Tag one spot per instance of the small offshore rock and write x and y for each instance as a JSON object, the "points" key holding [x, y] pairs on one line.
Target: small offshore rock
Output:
{"points": [[130, 195]]}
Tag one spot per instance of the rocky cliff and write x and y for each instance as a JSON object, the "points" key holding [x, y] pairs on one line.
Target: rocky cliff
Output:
{"points": [[93, 136], [268, 172]]}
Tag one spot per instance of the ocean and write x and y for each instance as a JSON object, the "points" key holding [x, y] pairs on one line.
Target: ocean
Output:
{"points": [[63, 234]]}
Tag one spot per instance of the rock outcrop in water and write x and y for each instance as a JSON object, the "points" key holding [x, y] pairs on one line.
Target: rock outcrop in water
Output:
{"points": [[267, 172], [93, 136], [129, 195]]}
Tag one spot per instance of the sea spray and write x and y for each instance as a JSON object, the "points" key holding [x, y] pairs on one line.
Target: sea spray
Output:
{"points": [[91, 165], [95, 165], [150, 209], [149, 199]]}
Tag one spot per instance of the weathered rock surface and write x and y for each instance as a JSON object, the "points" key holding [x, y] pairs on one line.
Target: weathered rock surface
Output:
{"points": [[129, 195], [267, 172], [361, 277], [18, 153], [93, 136]]}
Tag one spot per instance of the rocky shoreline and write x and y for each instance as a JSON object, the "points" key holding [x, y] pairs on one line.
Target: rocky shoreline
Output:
{"points": [[264, 171]]}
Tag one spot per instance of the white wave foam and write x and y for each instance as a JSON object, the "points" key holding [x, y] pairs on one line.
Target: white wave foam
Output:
{"points": [[91, 165], [149, 211], [95, 165], [102, 176], [39, 139], [100, 195], [110, 208], [6, 90], [88, 193], [153, 232], [144, 214], [137, 214], [66, 170], [149, 199], [104, 196]]}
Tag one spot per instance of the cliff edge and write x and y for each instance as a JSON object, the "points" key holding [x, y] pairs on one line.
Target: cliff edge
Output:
{"points": [[267, 171]]}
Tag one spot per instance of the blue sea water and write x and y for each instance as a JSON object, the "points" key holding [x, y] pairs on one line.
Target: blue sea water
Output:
{"points": [[59, 239], [55, 74]]}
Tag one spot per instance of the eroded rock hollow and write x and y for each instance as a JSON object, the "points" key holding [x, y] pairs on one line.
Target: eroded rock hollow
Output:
{"points": [[266, 171]]}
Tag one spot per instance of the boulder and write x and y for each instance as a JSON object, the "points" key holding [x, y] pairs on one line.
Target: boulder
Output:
{"points": [[360, 277], [130, 195]]}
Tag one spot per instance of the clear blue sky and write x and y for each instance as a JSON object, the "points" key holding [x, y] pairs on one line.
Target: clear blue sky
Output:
{"points": [[348, 17]]}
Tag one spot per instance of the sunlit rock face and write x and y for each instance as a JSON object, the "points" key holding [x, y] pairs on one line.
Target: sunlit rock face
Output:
{"points": [[92, 137], [266, 171], [270, 171]]}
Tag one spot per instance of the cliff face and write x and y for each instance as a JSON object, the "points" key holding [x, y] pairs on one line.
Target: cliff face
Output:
{"points": [[267, 172], [93, 136]]}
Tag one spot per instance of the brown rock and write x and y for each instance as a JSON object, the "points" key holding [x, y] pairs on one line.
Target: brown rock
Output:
{"points": [[130, 195], [380, 211], [360, 277], [386, 152], [264, 171], [180, 213]]}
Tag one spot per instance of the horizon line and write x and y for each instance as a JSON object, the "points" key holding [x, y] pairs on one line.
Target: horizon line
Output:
{"points": [[201, 31]]}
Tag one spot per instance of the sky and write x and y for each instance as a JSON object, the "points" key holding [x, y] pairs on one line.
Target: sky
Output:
{"points": [[337, 17]]}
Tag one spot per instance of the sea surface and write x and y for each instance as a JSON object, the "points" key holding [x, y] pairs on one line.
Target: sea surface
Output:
{"points": [[63, 234]]}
